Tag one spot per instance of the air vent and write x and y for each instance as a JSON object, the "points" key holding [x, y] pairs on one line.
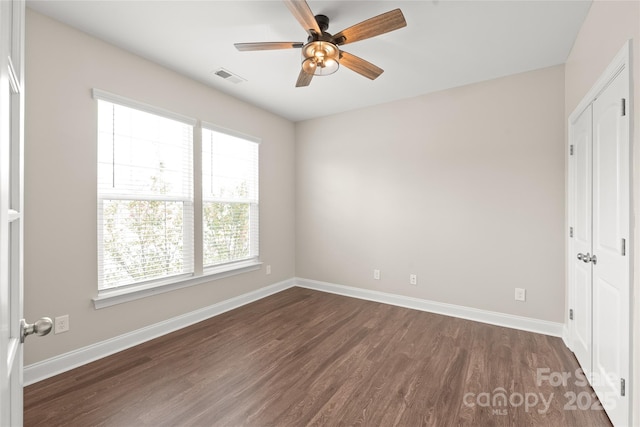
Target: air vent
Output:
{"points": [[229, 76]]}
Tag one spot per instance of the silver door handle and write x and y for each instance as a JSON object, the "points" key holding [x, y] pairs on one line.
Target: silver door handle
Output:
{"points": [[587, 258], [40, 327]]}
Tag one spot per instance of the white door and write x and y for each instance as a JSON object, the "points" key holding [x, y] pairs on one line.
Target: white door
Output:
{"points": [[599, 261], [611, 270], [580, 168], [10, 393], [11, 209]]}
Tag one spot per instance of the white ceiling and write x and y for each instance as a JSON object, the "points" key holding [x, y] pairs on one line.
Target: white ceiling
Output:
{"points": [[445, 44]]}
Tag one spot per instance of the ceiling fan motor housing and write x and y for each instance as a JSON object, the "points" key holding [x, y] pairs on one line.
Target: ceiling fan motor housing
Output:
{"points": [[323, 22]]}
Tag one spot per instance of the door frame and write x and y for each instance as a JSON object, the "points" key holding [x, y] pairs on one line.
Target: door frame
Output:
{"points": [[621, 64]]}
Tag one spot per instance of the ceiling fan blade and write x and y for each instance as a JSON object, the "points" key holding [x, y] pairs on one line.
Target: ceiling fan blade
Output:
{"points": [[372, 27], [304, 79], [267, 46], [360, 66], [302, 12]]}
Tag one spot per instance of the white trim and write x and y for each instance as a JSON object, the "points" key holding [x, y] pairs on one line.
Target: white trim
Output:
{"points": [[491, 317], [231, 132], [109, 297], [127, 102], [619, 63], [56, 365], [67, 361]]}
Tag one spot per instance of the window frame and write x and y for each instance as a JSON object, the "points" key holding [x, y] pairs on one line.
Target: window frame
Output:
{"points": [[130, 292]]}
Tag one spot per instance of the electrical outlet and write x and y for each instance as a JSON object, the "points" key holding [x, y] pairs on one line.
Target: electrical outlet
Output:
{"points": [[268, 269], [376, 274], [61, 324], [521, 294], [413, 279]]}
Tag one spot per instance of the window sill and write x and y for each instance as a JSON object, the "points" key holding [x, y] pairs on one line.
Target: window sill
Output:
{"points": [[109, 297]]}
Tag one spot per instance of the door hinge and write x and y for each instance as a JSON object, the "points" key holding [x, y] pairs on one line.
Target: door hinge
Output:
{"points": [[570, 231], [624, 107], [571, 150], [623, 247], [571, 314], [622, 387]]}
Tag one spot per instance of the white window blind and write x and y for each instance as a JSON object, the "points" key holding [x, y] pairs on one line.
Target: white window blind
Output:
{"points": [[229, 197], [145, 194]]}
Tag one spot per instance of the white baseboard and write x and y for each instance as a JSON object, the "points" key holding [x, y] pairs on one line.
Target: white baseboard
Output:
{"points": [[484, 316], [67, 361]]}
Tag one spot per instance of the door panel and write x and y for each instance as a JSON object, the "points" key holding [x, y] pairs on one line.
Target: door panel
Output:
{"points": [[611, 225], [580, 207], [607, 220], [606, 328], [582, 319]]}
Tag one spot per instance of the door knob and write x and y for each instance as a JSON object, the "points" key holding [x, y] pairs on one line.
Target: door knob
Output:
{"points": [[587, 258], [40, 327]]}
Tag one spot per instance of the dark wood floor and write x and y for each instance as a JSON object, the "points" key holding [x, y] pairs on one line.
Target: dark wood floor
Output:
{"points": [[303, 357]]}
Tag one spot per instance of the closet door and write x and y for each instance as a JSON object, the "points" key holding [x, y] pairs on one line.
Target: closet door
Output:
{"points": [[599, 262], [611, 267], [580, 204]]}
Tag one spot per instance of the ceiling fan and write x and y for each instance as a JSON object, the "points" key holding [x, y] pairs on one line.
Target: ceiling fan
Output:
{"points": [[321, 55]]}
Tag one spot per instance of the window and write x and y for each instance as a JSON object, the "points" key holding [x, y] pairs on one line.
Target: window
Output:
{"points": [[146, 201], [145, 196], [229, 197]]}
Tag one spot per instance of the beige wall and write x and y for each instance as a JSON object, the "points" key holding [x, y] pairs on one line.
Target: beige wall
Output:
{"points": [[60, 182], [607, 27], [464, 188]]}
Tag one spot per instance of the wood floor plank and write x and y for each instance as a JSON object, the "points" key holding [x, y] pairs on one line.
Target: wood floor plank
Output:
{"points": [[303, 357]]}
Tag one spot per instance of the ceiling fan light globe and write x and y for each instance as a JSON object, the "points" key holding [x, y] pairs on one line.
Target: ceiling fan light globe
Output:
{"points": [[329, 66], [309, 65]]}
